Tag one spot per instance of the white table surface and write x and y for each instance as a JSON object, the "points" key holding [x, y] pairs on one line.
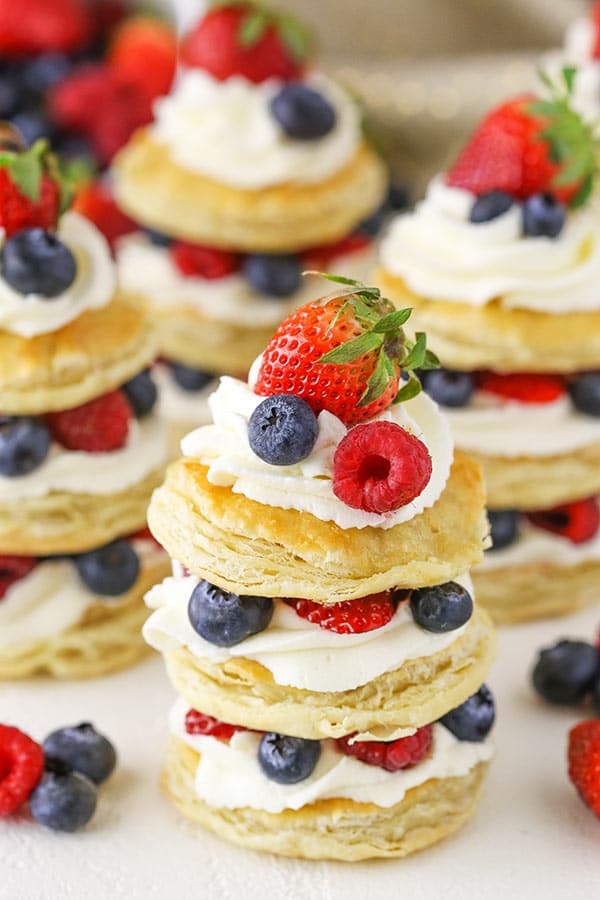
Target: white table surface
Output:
{"points": [[531, 838]]}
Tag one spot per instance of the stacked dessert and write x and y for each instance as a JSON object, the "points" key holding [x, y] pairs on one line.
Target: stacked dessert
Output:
{"points": [[80, 446], [319, 627], [254, 169], [501, 262]]}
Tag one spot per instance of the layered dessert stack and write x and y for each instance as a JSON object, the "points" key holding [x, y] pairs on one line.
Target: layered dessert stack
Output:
{"points": [[319, 626], [501, 262], [254, 170], [81, 447]]}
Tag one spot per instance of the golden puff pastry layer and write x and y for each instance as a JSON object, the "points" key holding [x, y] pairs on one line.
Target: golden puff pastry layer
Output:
{"points": [[331, 829], [284, 218]]}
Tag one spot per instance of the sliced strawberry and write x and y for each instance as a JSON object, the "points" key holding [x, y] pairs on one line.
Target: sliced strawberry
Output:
{"points": [[199, 723], [578, 521], [197, 260], [12, 569], [524, 387], [351, 616]]}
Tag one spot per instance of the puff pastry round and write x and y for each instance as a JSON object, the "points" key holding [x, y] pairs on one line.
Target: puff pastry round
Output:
{"points": [[247, 547], [159, 193], [331, 829]]}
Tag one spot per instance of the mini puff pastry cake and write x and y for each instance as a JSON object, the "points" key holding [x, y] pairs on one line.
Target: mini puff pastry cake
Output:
{"points": [[81, 445], [254, 170], [319, 626], [501, 262]]}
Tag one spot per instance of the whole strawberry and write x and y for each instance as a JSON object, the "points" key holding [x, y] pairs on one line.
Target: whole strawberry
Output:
{"points": [[584, 762], [144, 49], [31, 193]]}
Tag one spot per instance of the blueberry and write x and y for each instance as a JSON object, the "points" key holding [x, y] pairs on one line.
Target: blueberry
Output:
{"points": [[302, 112], [473, 719], [44, 71], [190, 379], [490, 206], [273, 275], [566, 672], [82, 748], [24, 445], [448, 387], [141, 393], [35, 261], [398, 197], [157, 237], [287, 760], [11, 90], [596, 696], [585, 393], [441, 608], [33, 125], [543, 216], [282, 430], [372, 225], [63, 800], [110, 570], [226, 619], [504, 527]]}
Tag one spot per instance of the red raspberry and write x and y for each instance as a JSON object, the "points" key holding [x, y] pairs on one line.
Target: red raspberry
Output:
{"points": [[584, 762], [321, 258], [390, 755], [13, 568], [350, 616], [203, 262], [578, 521], [379, 467], [98, 426], [96, 203], [525, 387], [21, 767], [199, 723]]}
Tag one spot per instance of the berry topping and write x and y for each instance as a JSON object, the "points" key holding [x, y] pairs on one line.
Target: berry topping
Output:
{"points": [[504, 527], [96, 203], [543, 216], [282, 430], [99, 426], [566, 672], [321, 258], [372, 225], [441, 608], [198, 261], [83, 749], [473, 719], [489, 206], [12, 569], [34, 261], [578, 521], [585, 393], [274, 275], [379, 467], [157, 237], [247, 39], [141, 393], [110, 570], [390, 755], [225, 619], [190, 379], [37, 26], [287, 760], [199, 723], [21, 767], [448, 387], [302, 113], [30, 191], [24, 445], [351, 616], [144, 50], [524, 387], [584, 762], [63, 800]]}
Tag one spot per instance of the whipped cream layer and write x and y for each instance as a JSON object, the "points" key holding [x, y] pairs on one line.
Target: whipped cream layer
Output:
{"points": [[298, 653], [225, 130], [535, 546], [188, 408], [496, 427], [30, 314], [308, 486], [75, 471], [441, 255], [149, 270], [229, 775], [580, 38]]}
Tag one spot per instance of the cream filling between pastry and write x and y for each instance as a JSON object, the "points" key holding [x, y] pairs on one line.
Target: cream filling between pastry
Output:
{"points": [[534, 546]]}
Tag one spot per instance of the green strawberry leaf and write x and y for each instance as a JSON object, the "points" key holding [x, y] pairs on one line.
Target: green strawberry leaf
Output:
{"points": [[584, 193], [568, 76], [431, 361], [351, 350], [411, 388], [377, 383], [295, 35], [337, 279], [393, 321], [252, 28], [416, 355]]}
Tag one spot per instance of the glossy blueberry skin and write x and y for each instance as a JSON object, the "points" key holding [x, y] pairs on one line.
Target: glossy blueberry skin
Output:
{"points": [[566, 672], [372, 225], [190, 379], [442, 608], [585, 393], [276, 275], [303, 113], [63, 801], [157, 237], [543, 216], [473, 719], [45, 71], [83, 749], [35, 261], [141, 393], [110, 570], [282, 430], [449, 387], [287, 760], [489, 206], [225, 619], [11, 89], [24, 445], [504, 524], [33, 125]]}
